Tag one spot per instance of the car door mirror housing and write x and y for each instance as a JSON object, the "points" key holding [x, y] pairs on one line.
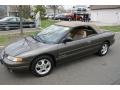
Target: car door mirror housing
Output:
{"points": [[68, 39]]}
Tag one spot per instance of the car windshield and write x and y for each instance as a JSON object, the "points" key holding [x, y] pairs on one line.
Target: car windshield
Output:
{"points": [[51, 34], [6, 18]]}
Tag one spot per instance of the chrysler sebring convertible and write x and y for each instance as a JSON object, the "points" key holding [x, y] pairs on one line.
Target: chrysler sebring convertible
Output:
{"points": [[58, 43]]}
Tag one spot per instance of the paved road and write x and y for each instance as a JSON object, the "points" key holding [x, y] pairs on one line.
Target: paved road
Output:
{"points": [[89, 70]]}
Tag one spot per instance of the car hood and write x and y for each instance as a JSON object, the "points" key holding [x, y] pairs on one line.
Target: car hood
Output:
{"points": [[22, 46]]}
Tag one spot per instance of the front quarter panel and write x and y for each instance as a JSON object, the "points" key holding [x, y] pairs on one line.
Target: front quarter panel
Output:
{"points": [[50, 49]]}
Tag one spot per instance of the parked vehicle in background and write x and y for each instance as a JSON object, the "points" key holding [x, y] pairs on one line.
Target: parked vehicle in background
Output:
{"points": [[60, 17], [72, 16], [58, 43], [50, 16], [83, 12], [80, 10], [8, 23]]}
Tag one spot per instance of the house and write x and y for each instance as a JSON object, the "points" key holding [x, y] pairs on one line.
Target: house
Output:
{"points": [[105, 13], [12, 10], [3, 11], [8, 10]]}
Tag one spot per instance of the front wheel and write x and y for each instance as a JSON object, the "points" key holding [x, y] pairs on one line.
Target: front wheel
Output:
{"points": [[104, 49], [7, 28], [42, 66]]}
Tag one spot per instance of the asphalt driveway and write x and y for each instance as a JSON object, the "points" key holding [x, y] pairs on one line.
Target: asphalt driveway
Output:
{"points": [[89, 70]]}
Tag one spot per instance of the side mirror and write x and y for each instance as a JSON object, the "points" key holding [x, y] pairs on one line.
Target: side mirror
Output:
{"points": [[68, 39]]}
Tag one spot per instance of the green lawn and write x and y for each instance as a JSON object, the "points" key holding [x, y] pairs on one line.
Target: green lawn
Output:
{"points": [[111, 28], [45, 23], [6, 39]]}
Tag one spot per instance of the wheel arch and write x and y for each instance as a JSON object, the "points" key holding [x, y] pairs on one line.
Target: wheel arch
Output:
{"points": [[47, 54], [108, 42]]}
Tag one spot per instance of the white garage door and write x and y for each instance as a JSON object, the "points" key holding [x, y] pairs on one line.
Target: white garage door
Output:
{"points": [[107, 16]]}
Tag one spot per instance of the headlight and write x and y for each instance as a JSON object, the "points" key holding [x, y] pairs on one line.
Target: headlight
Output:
{"points": [[15, 59]]}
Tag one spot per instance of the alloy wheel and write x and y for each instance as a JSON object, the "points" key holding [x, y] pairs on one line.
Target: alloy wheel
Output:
{"points": [[43, 66], [104, 49]]}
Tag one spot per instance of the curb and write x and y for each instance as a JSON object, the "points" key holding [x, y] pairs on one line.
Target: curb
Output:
{"points": [[117, 32], [1, 46]]}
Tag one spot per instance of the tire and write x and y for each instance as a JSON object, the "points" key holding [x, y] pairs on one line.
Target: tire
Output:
{"points": [[42, 66], [69, 19], [31, 26], [7, 28], [104, 49]]}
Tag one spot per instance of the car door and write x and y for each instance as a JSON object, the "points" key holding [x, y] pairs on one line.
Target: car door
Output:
{"points": [[94, 39], [78, 48], [13, 23], [26, 23], [73, 48]]}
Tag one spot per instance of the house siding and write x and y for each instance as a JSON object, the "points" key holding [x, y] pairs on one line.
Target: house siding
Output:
{"points": [[106, 15]]}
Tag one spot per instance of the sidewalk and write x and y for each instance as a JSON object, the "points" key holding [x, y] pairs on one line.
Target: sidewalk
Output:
{"points": [[104, 24]]}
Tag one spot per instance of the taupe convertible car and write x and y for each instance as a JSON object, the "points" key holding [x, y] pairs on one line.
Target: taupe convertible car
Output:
{"points": [[58, 43]]}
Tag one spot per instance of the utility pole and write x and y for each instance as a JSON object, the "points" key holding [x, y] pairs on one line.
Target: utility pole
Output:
{"points": [[21, 24]]}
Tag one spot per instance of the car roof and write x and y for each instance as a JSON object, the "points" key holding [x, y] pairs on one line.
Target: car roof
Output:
{"points": [[74, 24], [12, 17]]}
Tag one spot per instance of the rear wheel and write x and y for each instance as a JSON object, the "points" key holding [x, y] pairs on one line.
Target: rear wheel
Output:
{"points": [[104, 49], [69, 19], [31, 25], [42, 66]]}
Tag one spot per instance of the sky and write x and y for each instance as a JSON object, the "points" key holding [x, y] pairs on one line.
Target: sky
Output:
{"points": [[67, 6]]}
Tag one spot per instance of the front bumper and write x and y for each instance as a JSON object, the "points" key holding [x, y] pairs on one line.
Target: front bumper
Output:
{"points": [[15, 65], [1, 61]]}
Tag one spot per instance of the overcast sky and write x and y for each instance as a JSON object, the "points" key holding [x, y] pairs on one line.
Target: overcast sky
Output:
{"points": [[67, 6]]}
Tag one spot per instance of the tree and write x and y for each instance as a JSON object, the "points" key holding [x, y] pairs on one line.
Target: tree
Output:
{"points": [[54, 7], [39, 8], [20, 15], [23, 12]]}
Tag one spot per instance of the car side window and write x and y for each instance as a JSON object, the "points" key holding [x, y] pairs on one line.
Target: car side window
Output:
{"points": [[90, 30], [77, 34], [18, 19], [81, 32], [12, 20]]}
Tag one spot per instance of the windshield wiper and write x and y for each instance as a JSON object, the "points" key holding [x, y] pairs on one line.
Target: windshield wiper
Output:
{"points": [[39, 40], [34, 38]]}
